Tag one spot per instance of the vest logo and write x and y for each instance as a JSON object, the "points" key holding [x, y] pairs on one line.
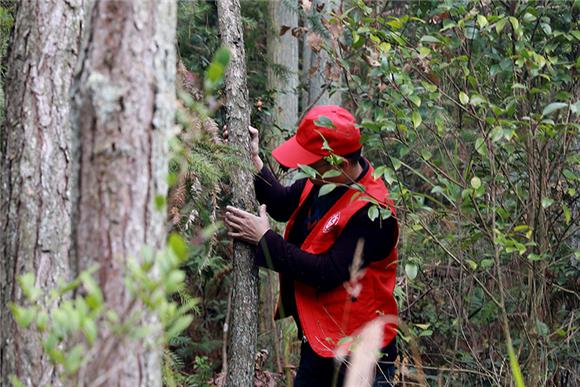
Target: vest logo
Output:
{"points": [[331, 222]]}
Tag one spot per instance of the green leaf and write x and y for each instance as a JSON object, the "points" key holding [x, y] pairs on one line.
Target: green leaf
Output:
{"points": [[481, 21], [326, 188], [159, 202], [22, 316], [500, 25], [547, 202], [331, 173], [553, 107], [42, 321], [463, 98], [514, 22], [178, 245], [416, 100], [472, 264], [90, 330], [385, 47], [426, 154], [476, 100], [222, 56], [26, 282], [515, 366], [373, 212], [480, 147], [178, 326], [324, 122], [308, 171], [396, 163], [475, 182], [430, 39], [424, 51], [486, 263], [215, 72], [15, 381], [546, 28], [528, 17], [73, 359], [535, 257], [416, 118], [411, 270], [174, 281], [567, 213], [426, 332]]}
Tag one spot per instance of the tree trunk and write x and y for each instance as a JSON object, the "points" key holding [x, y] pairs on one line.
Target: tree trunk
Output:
{"points": [[244, 322], [317, 64], [283, 51], [123, 109], [35, 157]]}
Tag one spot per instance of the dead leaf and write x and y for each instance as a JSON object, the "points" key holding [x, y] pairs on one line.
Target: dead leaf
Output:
{"points": [[331, 72], [299, 31], [439, 18], [284, 29], [315, 41], [312, 70]]}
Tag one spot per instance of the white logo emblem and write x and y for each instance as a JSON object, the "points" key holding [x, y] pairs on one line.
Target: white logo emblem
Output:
{"points": [[331, 222]]}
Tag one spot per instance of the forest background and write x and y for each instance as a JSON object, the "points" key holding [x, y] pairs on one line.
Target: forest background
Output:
{"points": [[469, 112]]}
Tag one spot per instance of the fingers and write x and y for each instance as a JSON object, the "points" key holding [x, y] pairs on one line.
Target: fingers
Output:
{"points": [[233, 220], [238, 212], [238, 235], [263, 213], [253, 131], [234, 223]]}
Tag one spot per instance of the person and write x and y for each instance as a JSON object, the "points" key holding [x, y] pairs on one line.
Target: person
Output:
{"points": [[331, 290]]}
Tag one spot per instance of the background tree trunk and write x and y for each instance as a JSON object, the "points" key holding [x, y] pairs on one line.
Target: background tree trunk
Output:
{"points": [[35, 157], [315, 63], [283, 51], [244, 322], [284, 56], [124, 105]]}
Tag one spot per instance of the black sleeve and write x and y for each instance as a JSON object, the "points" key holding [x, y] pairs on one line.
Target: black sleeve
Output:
{"points": [[330, 269], [280, 201]]}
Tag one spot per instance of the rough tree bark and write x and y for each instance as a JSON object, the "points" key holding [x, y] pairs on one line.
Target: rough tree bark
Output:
{"points": [[283, 51], [35, 157], [123, 108], [315, 63], [244, 322]]}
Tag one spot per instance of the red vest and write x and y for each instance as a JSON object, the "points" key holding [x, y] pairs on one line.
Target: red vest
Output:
{"points": [[331, 317]]}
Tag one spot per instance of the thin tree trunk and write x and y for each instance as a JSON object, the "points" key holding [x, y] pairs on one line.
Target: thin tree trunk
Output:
{"points": [[35, 157], [244, 322], [283, 51], [124, 105], [315, 63]]}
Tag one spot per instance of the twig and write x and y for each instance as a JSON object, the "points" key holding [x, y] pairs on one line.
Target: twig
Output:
{"points": [[225, 335]]}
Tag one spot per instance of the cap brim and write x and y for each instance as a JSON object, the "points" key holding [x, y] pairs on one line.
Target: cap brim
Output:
{"points": [[290, 154]]}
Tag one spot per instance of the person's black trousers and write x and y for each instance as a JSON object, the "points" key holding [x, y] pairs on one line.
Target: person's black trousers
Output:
{"points": [[318, 371]]}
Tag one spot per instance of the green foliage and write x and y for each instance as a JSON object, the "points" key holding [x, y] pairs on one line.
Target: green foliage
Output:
{"points": [[469, 113], [77, 324]]}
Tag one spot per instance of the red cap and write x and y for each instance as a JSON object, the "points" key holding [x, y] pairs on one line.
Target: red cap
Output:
{"points": [[306, 146]]}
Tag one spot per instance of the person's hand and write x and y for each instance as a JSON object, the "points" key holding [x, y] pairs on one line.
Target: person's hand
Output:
{"points": [[245, 226], [254, 141], [254, 146]]}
